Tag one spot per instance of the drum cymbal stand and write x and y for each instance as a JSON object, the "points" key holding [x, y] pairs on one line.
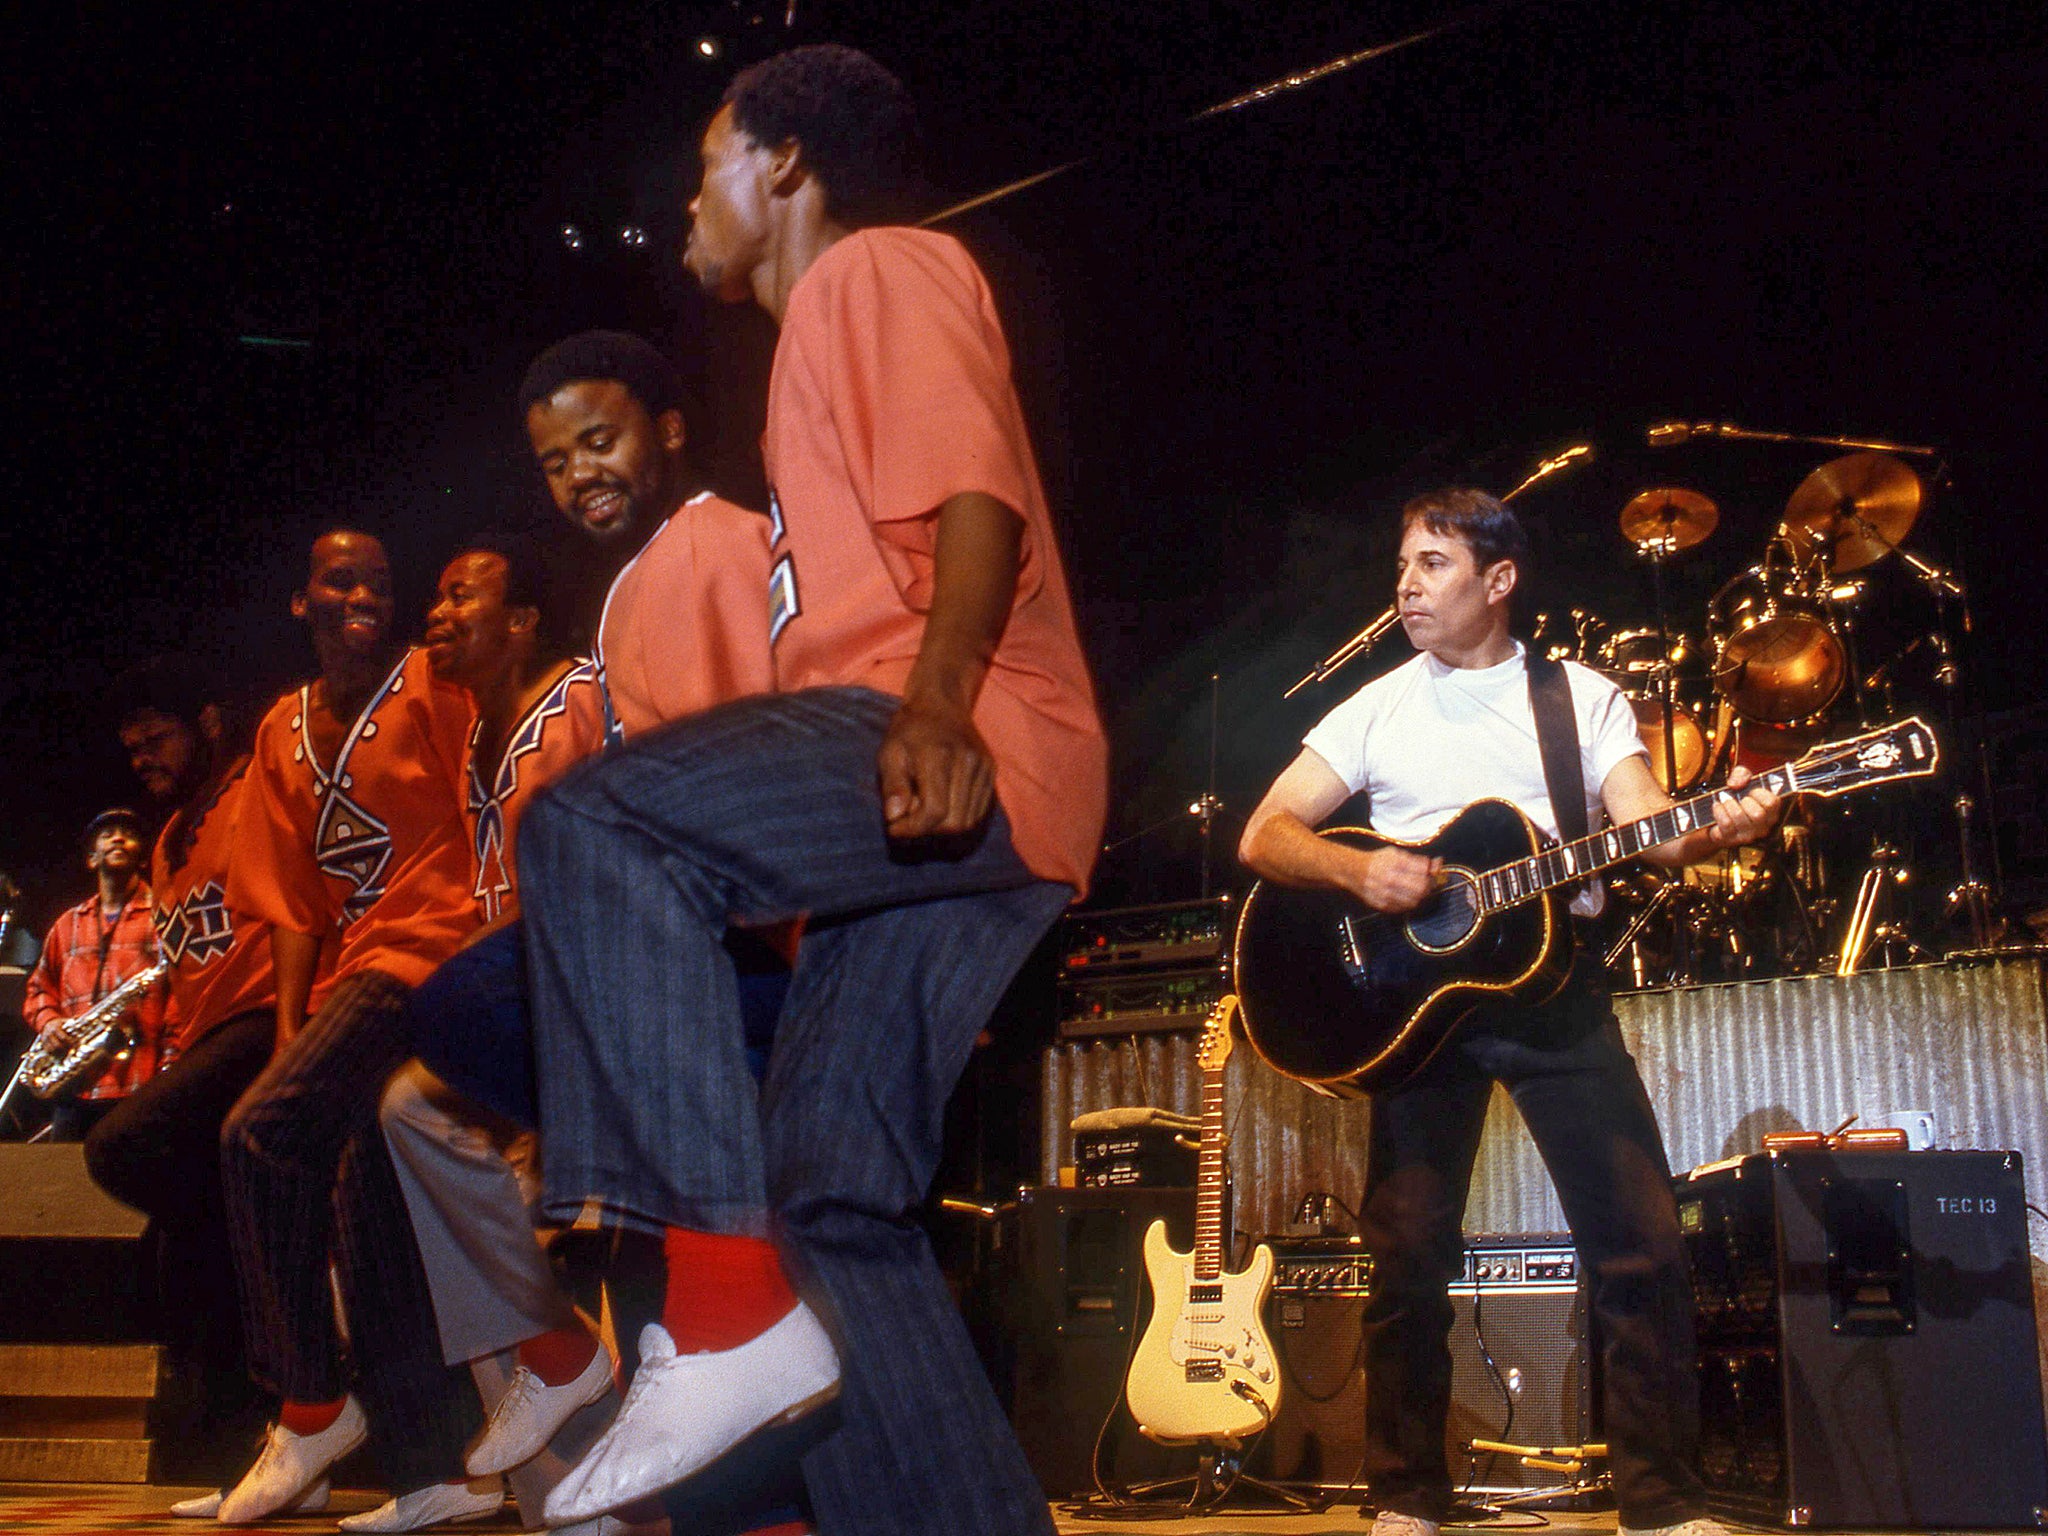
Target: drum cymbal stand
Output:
{"points": [[1971, 897], [1657, 551]]}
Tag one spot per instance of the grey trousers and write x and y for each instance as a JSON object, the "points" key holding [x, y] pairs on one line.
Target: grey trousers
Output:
{"points": [[630, 869], [493, 1288]]}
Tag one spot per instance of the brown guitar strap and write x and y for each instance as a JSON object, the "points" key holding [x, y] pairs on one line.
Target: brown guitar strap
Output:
{"points": [[1557, 738]]}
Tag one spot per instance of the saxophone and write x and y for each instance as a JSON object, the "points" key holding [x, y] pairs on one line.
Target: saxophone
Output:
{"points": [[51, 1065]]}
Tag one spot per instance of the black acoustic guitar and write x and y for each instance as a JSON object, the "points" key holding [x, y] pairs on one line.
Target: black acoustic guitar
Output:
{"points": [[1351, 1001]]}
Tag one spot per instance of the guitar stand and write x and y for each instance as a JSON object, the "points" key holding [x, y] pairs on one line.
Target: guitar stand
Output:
{"points": [[1218, 1474]]}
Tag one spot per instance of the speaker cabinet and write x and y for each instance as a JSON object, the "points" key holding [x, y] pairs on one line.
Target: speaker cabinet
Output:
{"points": [[1318, 1437], [1867, 1339], [1519, 1304], [1073, 1286]]}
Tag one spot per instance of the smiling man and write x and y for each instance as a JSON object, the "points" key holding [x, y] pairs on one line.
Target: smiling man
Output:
{"points": [[1460, 723], [352, 845]]}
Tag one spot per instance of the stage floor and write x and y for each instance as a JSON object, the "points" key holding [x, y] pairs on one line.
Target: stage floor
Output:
{"points": [[80, 1509]]}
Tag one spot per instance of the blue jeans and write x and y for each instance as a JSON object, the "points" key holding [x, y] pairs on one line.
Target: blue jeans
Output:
{"points": [[630, 870], [471, 1022]]}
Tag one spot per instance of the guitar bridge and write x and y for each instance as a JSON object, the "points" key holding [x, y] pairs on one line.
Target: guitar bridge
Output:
{"points": [[1205, 1370], [1347, 946]]}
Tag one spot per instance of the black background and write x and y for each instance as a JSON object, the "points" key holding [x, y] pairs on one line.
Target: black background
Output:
{"points": [[1242, 341]]}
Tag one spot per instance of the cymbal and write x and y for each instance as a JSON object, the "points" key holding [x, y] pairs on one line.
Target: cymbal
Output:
{"points": [[1856, 508], [1674, 518]]}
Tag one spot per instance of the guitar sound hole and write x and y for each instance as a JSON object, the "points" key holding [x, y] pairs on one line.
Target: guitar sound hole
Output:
{"points": [[1446, 919]]}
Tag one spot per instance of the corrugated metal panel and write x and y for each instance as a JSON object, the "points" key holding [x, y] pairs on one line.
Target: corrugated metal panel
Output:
{"points": [[1286, 1140], [1722, 1064]]}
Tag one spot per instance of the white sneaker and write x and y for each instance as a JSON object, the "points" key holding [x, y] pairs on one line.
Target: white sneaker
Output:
{"points": [[1699, 1525], [435, 1504], [1392, 1523], [685, 1411], [530, 1412], [290, 1464], [207, 1505]]}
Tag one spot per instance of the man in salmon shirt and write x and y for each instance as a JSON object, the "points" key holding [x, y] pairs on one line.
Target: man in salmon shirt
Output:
{"points": [[159, 1150], [352, 834], [927, 784]]}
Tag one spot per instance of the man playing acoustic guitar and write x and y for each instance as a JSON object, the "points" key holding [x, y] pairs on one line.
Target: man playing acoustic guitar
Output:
{"points": [[1454, 725]]}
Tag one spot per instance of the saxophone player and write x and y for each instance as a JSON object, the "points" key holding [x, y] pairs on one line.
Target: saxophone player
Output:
{"points": [[91, 949]]}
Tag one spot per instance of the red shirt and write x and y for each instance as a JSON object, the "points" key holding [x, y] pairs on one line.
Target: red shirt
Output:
{"points": [[564, 726], [220, 957], [372, 846], [685, 624], [84, 959], [891, 393]]}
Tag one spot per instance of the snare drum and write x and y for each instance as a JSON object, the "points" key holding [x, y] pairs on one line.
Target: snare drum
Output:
{"points": [[1777, 657]]}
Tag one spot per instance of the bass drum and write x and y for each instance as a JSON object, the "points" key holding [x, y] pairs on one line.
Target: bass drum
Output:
{"points": [[1777, 658]]}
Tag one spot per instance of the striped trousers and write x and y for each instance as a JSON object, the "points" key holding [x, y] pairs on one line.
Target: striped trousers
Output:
{"points": [[630, 869], [306, 1174]]}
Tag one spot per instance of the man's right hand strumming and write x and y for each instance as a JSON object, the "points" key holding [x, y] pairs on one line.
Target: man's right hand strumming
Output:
{"points": [[1395, 879]]}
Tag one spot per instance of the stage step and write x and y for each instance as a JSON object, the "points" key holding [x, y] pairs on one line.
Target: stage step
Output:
{"points": [[77, 1413]]}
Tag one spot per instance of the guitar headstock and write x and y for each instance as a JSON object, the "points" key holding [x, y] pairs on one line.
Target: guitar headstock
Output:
{"points": [[1904, 750], [1213, 1050]]}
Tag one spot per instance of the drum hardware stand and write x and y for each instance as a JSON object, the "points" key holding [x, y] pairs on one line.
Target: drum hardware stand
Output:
{"points": [[1885, 868], [1972, 897]]}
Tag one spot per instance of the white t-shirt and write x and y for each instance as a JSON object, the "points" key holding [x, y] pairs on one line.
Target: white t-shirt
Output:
{"points": [[1426, 740]]}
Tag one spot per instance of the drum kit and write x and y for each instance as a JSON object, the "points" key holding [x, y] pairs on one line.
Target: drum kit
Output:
{"points": [[1777, 663]]}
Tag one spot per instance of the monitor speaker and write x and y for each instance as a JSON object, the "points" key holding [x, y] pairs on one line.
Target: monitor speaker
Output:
{"points": [[1867, 1339]]}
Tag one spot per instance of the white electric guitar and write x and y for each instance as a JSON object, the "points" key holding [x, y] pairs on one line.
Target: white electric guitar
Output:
{"points": [[1204, 1370]]}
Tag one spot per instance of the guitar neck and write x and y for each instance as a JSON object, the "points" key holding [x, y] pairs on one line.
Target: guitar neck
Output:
{"points": [[1208, 1260], [1511, 884]]}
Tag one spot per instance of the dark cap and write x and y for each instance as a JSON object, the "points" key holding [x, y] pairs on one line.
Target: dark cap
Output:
{"points": [[113, 816]]}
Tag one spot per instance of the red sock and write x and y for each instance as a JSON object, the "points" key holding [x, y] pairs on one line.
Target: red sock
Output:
{"points": [[722, 1291], [309, 1418], [558, 1356]]}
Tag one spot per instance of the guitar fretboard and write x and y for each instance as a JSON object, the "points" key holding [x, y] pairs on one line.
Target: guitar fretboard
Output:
{"points": [[1208, 1260], [1513, 883]]}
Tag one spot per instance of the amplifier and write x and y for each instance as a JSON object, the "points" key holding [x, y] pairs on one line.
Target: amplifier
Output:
{"points": [[1520, 1303], [1140, 1002], [1174, 934], [1150, 1156], [1867, 1339]]}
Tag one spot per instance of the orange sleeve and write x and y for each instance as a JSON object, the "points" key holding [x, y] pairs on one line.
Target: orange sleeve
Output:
{"points": [[273, 876], [917, 379]]}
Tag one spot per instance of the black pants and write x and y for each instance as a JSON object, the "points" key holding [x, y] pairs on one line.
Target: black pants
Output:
{"points": [[73, 1119], [159, 1151], [1577, 1089], [306, 1172]]}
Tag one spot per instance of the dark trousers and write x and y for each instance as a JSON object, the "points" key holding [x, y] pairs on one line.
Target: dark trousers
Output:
{"points": [[1577, 1089], [159, 1151], [306, 1173], [630, 869]]}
